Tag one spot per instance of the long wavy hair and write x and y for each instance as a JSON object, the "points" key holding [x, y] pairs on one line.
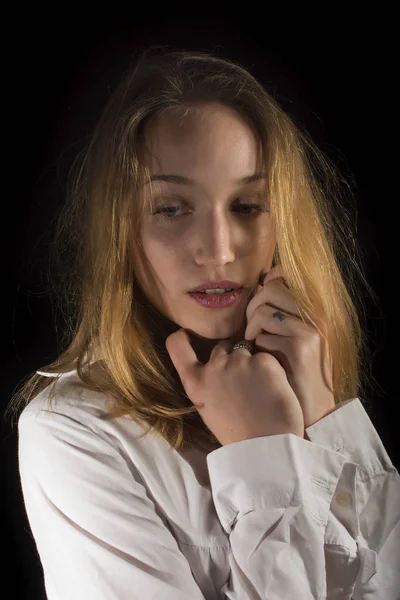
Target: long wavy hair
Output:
{"points": [[91, 264]]}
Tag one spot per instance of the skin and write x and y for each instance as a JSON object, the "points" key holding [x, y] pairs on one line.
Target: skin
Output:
{"points": [[209, 238]]}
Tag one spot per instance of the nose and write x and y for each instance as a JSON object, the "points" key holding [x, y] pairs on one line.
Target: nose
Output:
{"points": [[216, 240]]}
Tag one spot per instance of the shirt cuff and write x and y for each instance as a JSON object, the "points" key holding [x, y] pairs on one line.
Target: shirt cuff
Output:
{"points": [[349, 431]]}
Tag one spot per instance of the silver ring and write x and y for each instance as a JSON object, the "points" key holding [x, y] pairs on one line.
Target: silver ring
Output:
{"points": [[244, 344]]}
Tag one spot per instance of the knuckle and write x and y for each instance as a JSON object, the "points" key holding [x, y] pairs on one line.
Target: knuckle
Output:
{"points": [[304, 347], [266, 360]]}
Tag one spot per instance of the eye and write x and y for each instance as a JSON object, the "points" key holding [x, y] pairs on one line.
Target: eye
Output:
{"points": [[257, 207], [163, 211]]}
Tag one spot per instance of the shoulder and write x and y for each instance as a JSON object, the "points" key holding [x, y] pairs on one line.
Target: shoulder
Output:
{"points": [[66, 411], [73, 437], [68, 395]]}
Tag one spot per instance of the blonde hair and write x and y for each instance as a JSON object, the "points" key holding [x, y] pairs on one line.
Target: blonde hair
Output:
{"points": [[101, 220]]}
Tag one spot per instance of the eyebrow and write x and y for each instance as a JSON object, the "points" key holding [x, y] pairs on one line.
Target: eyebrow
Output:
{"points": [[181, 180]]}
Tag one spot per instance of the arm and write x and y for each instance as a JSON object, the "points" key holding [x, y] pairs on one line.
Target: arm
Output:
{"points": [[311, 520], [374, 516], [96, 530], [272, 495]]}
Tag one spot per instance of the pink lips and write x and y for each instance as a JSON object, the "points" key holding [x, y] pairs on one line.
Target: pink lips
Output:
{"points": [[217, 300], [212, 285]]}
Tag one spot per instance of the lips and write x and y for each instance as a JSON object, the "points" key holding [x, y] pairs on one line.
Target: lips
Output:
{"points": [[219, 301], [212, 285]]}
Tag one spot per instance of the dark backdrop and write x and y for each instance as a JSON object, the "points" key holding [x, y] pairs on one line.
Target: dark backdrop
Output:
{"points": [[334, 77]]}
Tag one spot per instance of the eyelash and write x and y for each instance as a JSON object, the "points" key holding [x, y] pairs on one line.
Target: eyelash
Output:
{"points": [[161, 211]]}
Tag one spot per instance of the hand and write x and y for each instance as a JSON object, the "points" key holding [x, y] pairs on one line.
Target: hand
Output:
{"points": [[238, 396], [275, 324]]}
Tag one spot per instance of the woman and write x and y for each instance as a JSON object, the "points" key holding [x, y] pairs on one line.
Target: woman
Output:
{"points": [[206, 445]]}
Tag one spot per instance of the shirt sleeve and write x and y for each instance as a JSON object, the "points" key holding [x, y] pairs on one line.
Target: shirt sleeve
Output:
{"points": [[374, 515], [272, 495], [97, 532], [310, 519]]}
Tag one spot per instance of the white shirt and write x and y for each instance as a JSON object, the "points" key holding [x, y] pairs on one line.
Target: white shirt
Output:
{"points": [[269, 518]]}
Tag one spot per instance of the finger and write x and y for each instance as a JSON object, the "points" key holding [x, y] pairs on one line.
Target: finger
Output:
{"points": [[267, 319], [276, 345], [274, 273], [220, 350], [275, 294], [182, 355]]}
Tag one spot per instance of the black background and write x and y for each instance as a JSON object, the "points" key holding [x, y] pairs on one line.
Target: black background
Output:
{"points": [[336, 78]]}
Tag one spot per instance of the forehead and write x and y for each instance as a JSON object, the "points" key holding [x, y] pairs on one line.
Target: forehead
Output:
{"points": [[202, 138]]}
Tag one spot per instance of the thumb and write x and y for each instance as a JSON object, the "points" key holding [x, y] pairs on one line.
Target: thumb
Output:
{"points": [[182, 355]]}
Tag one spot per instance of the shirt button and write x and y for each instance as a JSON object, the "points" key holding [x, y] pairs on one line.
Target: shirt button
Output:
{"points": [[343, 499]]}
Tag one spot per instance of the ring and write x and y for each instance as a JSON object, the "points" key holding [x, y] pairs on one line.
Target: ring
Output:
{"points": [[244, 344]]}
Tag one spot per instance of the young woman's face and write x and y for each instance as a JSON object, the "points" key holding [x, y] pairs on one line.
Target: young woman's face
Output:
{"points": [[205, 233]]}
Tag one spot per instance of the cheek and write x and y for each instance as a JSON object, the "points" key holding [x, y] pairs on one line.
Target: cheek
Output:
{"points": [[164, 255], [263, 243]]}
